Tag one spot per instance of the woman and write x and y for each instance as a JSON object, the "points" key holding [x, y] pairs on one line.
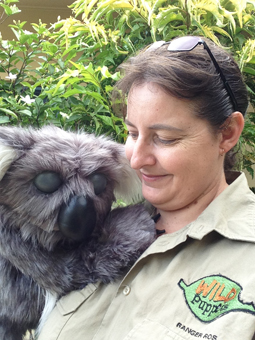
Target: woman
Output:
{"points": [[185, 113]]}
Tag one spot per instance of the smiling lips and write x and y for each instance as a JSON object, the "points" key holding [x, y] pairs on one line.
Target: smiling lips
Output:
{"points": [[151, 178]]}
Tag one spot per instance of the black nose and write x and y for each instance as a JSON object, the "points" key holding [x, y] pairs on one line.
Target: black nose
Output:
{"points": [[77, 219]]}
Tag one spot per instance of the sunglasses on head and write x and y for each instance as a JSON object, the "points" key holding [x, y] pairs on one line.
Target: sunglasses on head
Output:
{"points": [[188, 44]]}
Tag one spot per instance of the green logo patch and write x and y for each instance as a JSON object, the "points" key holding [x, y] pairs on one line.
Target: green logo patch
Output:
{"points": [[213, 296]]}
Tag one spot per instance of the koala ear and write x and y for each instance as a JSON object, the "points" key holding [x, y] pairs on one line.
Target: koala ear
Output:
{"points": [[13, 142], [129, 187], [7, 156], [16, 137]]}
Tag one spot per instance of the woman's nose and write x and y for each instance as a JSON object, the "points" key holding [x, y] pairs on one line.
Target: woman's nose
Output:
{"points": [[141, 155]]}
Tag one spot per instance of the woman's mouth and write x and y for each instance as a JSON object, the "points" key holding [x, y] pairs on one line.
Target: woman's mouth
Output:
{"points": [[151, 178]]}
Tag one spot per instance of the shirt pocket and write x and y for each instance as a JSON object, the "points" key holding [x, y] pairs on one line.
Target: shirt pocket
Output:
{"points": [[151, 330]]}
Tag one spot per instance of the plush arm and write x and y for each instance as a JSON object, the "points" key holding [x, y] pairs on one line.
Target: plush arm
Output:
{"points": [[126, 233]]}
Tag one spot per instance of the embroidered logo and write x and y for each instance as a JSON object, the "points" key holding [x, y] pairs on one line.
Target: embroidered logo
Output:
{"points": [[213, 296]]}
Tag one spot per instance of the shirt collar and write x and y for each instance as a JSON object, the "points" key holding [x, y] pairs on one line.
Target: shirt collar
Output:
{"points": [[231, 214]]}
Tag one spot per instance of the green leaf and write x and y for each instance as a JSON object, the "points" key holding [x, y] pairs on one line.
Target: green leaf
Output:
{"points": [[17, 33], [51, 69], [249, 70], [108, 88], [72, 118], [106, 120], [7, 9], [74, 101], [116, 76], [53, 48], [98, 125], [71, 48], [166, 16], [61, 63], [15, 9], [27, 38], [25, 83], [221, 31], [66, 76], [97, 96], [11, 1], [105, 72], [4, 119], [9, 112], [26, 112], [71, 92]]}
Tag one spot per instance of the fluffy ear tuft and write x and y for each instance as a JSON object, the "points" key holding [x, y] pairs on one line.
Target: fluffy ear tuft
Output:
{"points": [[129, 187], [7, 156], [17, 137]]}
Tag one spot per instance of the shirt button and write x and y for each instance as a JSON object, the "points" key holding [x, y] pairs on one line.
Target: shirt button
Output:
{"points": [[126, 290]]}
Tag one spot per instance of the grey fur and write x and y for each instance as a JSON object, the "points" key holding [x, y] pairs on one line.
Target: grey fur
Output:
{"points": [[35, 256]]}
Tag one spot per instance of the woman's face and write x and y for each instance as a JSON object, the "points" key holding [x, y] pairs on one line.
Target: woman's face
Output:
{"points": [[176, 155]]}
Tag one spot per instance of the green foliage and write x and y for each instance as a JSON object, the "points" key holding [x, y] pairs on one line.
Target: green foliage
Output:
{"points": [[73, 62]]}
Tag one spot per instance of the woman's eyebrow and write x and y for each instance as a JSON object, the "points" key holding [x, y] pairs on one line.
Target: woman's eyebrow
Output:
{"points": [[164, 127], [157, 126], [127, 122]]}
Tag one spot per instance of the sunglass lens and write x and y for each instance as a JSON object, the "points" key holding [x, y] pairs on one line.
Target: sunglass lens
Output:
{"points": [[156, 45], [183, 44]]}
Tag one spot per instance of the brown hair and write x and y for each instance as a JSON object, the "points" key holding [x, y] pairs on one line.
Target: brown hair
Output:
{"points": [[190, 75]]}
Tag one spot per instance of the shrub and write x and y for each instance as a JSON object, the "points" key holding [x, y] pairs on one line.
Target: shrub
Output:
{"points": [[63, 73]]}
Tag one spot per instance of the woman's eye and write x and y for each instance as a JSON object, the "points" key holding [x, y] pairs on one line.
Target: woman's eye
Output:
{"points": [[133, 135], [48, 182], [166, 141], [99, 182]]}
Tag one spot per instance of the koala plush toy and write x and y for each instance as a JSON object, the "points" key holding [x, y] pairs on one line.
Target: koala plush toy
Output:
{"points": [[58, 231]]}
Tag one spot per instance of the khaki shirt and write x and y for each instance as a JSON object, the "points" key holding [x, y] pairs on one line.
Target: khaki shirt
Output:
{"points": [[197, 283]]}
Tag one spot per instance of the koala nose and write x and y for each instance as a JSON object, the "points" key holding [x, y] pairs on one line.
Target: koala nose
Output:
{"points": [[77, 219]]}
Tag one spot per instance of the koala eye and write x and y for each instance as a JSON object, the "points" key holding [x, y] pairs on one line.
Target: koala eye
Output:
{"points": [[48, 182], [99, 182]]}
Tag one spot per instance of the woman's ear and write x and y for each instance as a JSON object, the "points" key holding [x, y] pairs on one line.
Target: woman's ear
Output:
{"points": [[231, 131]]}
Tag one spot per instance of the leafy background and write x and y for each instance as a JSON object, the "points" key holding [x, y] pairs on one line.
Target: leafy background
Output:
{"points": [[63, 73]]}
